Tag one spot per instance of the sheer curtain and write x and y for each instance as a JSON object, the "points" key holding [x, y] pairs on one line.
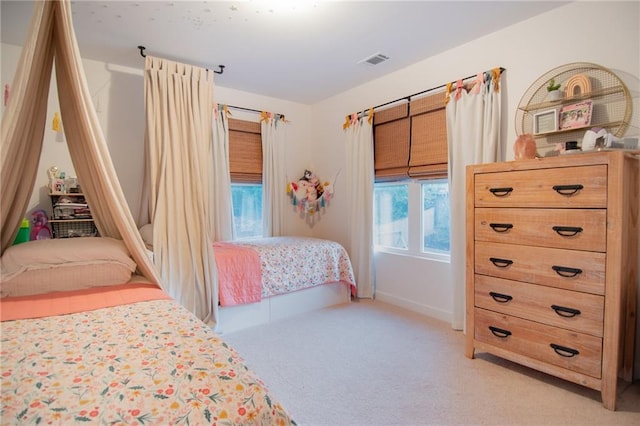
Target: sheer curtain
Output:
{"points": [[273, 129], [51, 34], [178, 138], [221, 187], [473, 136], [359, 185]]}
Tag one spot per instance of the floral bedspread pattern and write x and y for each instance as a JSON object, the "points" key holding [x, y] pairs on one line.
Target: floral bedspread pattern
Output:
{"points": [[142, 363], [295, 263]]}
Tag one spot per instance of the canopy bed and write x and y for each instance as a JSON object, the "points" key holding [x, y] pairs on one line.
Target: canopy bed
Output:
{"points": [[87, 332]]}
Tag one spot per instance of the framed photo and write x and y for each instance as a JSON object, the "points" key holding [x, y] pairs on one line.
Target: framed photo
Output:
{"points": [[545, 122], [576, 115]]}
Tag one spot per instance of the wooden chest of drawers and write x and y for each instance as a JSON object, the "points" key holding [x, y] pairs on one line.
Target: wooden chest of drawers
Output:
{"points": [[552, 265]]}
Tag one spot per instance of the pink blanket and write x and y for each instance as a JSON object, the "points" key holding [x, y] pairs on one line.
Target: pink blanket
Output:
{"points": [[239, 274], [67, 302]]}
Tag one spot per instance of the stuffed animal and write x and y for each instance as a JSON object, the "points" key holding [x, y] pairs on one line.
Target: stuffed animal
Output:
{"points": [[40, 230], [525, 148]]}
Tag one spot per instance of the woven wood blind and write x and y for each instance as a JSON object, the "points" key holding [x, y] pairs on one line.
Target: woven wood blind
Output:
{"points": [[429, 153], [391, 135], [245, 151]]}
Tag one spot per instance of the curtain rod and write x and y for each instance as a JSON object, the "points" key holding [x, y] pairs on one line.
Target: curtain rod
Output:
{"points": [[408, 98], [250, 109], [220, 71]]}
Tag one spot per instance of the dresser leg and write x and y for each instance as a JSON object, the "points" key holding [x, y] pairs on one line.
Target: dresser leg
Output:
{"points": [[609, 397]]}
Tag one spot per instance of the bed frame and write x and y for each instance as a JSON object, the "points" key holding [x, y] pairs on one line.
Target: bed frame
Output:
{"points": [[235, 318]]}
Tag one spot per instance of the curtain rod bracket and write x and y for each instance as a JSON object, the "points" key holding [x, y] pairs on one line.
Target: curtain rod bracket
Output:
{"points": [[219, 71]]}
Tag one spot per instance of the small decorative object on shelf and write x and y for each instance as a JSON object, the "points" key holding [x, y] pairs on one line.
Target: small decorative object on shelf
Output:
{"points": [[576, 115], [524, 148], [554, 90], [545, 122], [578, 85]]}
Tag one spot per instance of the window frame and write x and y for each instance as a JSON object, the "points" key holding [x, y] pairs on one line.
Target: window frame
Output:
{"points": [[414, 221]]}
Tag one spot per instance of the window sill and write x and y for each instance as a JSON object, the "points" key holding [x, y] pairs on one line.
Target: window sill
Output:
{"points": [[436, 257]]}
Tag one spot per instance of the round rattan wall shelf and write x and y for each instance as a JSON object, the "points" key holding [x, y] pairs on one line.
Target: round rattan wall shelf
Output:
{"points": [[606, 95]]}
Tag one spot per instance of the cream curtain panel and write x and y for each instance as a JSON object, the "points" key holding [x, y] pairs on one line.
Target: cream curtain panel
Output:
{"points": [[473, 137], [178, 138], [221, 189], [273, 129], [360, 178], [51, 35]]}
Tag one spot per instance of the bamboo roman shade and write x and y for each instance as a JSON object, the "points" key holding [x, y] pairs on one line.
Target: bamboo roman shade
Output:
{"points": [[391, 135], [428, 156], [411, 140], [245, 151]]}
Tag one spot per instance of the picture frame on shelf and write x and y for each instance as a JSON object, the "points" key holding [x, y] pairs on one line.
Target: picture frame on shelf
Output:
{"points": [[545, 122], [576, 115]]}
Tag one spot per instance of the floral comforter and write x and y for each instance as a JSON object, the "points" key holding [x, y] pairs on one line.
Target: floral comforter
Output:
{"points": [[149, 362], [295, 263]]}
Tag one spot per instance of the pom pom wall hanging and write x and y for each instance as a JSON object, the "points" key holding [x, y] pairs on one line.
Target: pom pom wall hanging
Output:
{"points": [[309, 194]]}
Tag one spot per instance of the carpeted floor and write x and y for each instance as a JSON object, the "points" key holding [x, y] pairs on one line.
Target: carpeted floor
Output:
{"points": [[370, 363]]}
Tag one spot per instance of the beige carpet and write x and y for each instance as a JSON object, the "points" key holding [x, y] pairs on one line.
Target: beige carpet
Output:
{"points": [[370, 363]]}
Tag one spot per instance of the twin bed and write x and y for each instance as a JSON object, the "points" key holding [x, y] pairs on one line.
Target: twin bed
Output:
{"points": [[267, 279], [83, 345]]}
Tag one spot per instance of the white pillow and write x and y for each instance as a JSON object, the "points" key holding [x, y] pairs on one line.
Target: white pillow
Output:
{"points": [[44, 266]]}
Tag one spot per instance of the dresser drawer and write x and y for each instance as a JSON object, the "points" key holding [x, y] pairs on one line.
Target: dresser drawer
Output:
{"points": [[568, 269], [575, 187], [581, 312], [578, 229], [567, 349]]}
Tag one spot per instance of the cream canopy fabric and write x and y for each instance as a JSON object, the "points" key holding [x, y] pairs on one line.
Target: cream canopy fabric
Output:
{"points": [[179, 146], [51, 35]]}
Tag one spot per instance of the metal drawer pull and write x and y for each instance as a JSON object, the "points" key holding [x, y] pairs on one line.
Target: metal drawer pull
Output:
{"points": [[499, 297], [501, 227], [499, 332], [564, 351], [500, 263], [567, 231], [566, 272], [500, 192], [565, 312], [567, 189]]}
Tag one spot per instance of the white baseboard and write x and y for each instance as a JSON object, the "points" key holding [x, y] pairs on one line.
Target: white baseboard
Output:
{"points": [[429, 311]]}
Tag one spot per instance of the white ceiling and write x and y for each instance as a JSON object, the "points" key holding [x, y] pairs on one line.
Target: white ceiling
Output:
{"points": [[302, 51]]}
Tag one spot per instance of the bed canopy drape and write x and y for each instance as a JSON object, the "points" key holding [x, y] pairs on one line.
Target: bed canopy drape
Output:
{"points": [[179, 146], [51, 36]]}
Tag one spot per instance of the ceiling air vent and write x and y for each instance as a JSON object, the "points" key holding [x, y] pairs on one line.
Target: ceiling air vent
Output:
{"points": [[374, 59]]}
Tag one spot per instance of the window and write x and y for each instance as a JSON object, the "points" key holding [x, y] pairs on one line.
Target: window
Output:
{"points": [[411, 194], [245, 167], [436, 218], [402, 207], [391, 215], [247, 210]]}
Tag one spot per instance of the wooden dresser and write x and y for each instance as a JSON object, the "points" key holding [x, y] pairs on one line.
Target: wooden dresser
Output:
{"points": [[552, 265]]}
